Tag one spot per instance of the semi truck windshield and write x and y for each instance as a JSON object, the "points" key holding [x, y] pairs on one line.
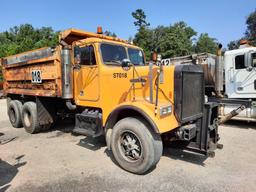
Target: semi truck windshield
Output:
{"points": [[114, 54]]}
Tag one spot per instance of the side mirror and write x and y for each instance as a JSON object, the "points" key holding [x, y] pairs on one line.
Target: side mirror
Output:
{"points": [[126, 63]]}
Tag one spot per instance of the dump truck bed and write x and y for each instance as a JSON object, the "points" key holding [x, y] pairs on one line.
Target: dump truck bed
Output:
{"points": [[35, 73], [1, 78]]}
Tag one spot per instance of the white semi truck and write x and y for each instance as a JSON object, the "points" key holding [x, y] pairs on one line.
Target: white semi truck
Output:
{"points": [[230, 79]]}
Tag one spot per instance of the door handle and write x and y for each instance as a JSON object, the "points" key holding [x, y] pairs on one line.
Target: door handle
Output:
{"points": [[231, 75]]}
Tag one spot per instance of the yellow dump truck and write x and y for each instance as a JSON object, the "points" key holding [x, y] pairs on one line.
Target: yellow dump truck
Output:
{"points": [[105, 83]]}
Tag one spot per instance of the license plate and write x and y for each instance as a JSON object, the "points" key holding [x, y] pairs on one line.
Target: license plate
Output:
{"points": [[36, 76]]}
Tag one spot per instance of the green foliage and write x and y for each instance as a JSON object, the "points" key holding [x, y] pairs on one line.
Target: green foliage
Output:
{"points": [[205, 44], [175, 40], [251, 28], [25, 38], [143, 38], [170, 41], [140, 18]]}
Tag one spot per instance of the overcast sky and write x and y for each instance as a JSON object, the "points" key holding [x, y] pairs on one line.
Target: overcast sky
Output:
{"points": [[222, 19]]}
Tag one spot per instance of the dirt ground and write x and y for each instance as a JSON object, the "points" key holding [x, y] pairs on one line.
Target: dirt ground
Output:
{"points": [[59, 161]]}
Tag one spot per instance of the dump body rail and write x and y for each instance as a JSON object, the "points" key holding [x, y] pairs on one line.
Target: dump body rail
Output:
{"points": [[21, 70]]}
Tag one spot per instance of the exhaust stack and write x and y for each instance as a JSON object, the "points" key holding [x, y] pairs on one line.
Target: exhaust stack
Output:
{"points": [[67, 78], [219, 72]]}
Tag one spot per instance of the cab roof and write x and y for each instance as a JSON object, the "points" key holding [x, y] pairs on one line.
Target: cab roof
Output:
{"points": [[240, 50], [71, 35], [97, 40]]}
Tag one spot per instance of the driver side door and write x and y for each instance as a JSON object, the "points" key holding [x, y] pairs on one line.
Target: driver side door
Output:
{"points": [[245, 74], [86, 75]]}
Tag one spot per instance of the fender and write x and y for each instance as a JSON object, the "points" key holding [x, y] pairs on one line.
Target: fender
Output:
{"points": [[147, 111], [113, 116]]}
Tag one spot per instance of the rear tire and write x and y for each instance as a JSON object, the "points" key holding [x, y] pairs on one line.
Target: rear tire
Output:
{"points": [[29, 118], [14, 113], [134, 147]]}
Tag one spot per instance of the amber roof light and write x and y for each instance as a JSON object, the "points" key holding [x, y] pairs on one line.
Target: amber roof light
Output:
{"points": [[99, 30]]}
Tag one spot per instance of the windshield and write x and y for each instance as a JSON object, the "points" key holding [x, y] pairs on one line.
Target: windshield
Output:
{"points": [[136, 56], [114, 54]]}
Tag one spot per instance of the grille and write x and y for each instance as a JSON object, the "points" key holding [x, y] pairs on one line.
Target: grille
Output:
{"points": [[192, 95], [189, 92]]}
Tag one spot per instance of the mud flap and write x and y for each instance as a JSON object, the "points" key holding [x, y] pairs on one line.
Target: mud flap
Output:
{"points": [[45, 110]]}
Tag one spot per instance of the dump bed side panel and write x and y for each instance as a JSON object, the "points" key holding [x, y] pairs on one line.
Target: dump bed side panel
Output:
{"points": [[18, 69], [1, 78]]}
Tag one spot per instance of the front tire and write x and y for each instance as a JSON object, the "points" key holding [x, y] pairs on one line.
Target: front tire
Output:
{"points": [[134, 147]]}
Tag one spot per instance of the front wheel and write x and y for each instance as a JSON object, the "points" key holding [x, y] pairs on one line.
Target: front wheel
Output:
{"points": [[134, 147]]}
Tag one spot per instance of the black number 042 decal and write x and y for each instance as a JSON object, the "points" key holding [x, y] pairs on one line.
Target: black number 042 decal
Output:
{"points": [[36, 76]]}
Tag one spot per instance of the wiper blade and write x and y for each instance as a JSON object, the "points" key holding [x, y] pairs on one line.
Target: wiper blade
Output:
{"points": [[114, 61]]}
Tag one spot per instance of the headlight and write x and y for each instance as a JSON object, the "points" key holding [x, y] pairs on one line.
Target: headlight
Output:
{"points": [[164, 110]]}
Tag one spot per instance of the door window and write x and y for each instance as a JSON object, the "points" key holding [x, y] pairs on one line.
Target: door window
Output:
{"points": [[253, 59], [87, 56], [239, 62]]}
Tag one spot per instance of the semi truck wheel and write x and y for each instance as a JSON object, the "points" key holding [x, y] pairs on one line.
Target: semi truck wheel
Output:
{"points": [[134, 147], [29, 118], [14, 113]]}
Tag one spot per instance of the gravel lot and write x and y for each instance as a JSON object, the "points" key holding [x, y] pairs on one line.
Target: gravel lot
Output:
{"points": [[59, 161]]}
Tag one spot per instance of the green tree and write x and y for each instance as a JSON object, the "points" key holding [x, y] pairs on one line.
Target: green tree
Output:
{"points": [[25, 37], [143, 38], [140, 18], [251, 28], [205, 44], [175, 40]]}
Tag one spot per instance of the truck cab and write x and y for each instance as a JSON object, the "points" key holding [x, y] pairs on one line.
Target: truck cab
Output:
{"points": [[230, 80], [240, 70]]}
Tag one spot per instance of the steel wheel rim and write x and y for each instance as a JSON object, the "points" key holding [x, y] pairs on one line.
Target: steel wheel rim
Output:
{"points": [[130, 146]]}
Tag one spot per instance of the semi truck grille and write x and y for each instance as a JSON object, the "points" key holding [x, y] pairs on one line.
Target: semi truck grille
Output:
{"points": [[189, 92]]}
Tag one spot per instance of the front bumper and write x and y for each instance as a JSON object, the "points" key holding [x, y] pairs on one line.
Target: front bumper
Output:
{"points": [[207, 136]]}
